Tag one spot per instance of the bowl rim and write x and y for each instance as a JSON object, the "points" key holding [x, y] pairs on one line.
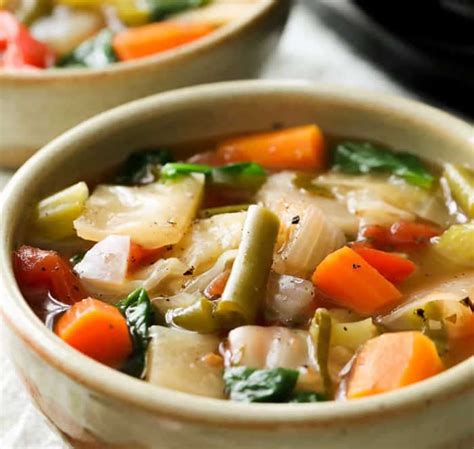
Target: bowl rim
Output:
{"points": [[175, 55], [188, 407]]}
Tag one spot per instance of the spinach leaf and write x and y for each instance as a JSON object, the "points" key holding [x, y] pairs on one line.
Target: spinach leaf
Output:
{"points": [[352, 157], [307, 396], [96, 52], [138, 312], [260, 385], [247, 175], [143, 167], [160, 9]]}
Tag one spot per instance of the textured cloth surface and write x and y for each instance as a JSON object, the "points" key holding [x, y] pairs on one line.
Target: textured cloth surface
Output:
{"points": [[309, 50]]}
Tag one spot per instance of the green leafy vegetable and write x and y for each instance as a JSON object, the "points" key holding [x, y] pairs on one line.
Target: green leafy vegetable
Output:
{"points": [[76, 258], [307, 396], [265, 385], [352, 157], [138, 312], [247, 175], [160, 9], [142, 168], [96, 52], [175, 169]]}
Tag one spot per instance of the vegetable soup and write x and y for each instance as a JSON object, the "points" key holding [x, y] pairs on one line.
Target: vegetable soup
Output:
{"points": [[40, 34], [274, 267]]}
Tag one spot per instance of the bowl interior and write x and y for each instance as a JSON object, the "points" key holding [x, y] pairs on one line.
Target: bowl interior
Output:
{"points": [[205, 112]]}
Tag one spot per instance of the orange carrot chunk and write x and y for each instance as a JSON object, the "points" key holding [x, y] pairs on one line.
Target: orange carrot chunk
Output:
{"points": [[391, 361], [300, 148], [217, 285], [147, 40], [349, 280], [392, 267], [96, 329]]}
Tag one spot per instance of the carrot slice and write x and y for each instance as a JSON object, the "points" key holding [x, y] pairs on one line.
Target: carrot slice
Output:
{"points": [[349, 280], [403, 235], [96, 329], [157, 37], [392, 267], [391, 361], [299, 148], [139, 256]]}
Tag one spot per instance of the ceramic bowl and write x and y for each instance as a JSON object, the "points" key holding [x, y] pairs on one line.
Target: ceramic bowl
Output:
{"points": [[38, 106], [93, 406]]}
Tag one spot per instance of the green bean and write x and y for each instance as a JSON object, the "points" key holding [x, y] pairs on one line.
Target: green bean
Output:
{"points": [[461, 183], [244, 294], [320, 330], [198, 317], [206, 213]]}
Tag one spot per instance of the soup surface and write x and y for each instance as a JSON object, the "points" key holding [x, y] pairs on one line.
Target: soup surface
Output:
{"points": [[41, 34], [284, 266]]}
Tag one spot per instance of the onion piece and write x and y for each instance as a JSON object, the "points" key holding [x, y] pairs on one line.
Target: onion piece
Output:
{"points": [[289, 300]]}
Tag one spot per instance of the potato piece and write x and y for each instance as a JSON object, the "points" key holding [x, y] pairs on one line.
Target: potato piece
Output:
{"points": [[176, 360], [153, 216]]}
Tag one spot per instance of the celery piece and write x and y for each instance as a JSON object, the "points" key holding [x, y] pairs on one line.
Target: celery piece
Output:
{"points": [[244, 294], [320, 331], [55, 214], [461, 183], [457, 244]]}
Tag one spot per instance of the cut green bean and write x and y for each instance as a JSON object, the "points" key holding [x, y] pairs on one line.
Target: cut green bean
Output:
{"points": [[244, 294], [320, 331], [175, 169], [198, 317], [207, 213], [461, 183]]}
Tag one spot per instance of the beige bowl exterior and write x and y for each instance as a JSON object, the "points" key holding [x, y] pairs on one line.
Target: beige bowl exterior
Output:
{"points": [[35, 107], [96, 407]]}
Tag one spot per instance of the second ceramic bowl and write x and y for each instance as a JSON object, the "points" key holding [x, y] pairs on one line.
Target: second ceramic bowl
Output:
{"points": [[37, 106], [95, 407]]}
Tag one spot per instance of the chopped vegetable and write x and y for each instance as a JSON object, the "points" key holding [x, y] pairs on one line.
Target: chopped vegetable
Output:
{"points": [[207, 213], [217, 285], [198, 317], [352, 157], [175, 169], [457, 244], [20, 49], [299, 148], [244, 175], [350, 281], [37, 268], [321, 330], [163, 8], [96, 329], [138, 256], [290, 300], [392, 267], [66, 29], [244, 294], [392, 361], [308, 237], [105, 265], [155, 38], [55, 214], [95, 53], [252, 385], [28, 11], [143, 167], [461, 183], [176, 360], [401, 236], [307, 396], [154, 215], [137, 310]]}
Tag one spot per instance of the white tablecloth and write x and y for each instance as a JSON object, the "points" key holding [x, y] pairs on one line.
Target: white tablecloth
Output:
{"points": [[308, 50]]}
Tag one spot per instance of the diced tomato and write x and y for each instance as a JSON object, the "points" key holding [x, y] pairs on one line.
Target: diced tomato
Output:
{"points": [[139, 256], [20, 48], [47, 270], [401, 236]]}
